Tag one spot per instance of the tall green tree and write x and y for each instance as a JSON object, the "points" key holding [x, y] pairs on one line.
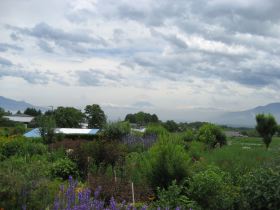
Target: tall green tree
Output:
{"points": [[47, 127], [266, 127], [5, 121], [171, 126], [2, 112], [95, 116], [32, 112], [68, 117], [211, 135]]}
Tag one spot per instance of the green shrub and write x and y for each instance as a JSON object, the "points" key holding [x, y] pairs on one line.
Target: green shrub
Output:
{"points": [[171, 126], [260, 189], [196, 150], [63, 168], [59, 137], [155, 129], [20, 146], [212, 189], [136, 167], [24, 183], [97, 152], [116, 130], [168, 161], [188, 135], [174, 197], [211, 135], [47, 125]]}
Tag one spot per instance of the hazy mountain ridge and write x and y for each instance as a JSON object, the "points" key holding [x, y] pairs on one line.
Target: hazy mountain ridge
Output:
{"points": [[14, 105], [247, 117], [244, 118]]}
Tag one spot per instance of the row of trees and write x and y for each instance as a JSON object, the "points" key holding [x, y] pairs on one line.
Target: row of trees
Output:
{"points": [[70, 117], [141, 118], [66, 117]]}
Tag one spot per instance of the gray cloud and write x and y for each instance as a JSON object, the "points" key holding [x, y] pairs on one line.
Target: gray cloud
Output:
{"points": [[232, 41], [172, 39], [143, 104], [8, 69], [45, 46], [5, 47], [5, 62], [242, 69], [94, 77], [76, 41], [15, 36], [33, 77]]}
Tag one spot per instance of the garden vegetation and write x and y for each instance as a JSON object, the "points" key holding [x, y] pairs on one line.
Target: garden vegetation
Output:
{"points": [[182, 166]]}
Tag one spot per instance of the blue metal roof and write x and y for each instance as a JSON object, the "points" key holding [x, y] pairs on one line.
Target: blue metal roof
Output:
{"points": [[93, 131], [35, 133]]}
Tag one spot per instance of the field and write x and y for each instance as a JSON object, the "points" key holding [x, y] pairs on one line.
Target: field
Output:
{"points": [[245, 153]]}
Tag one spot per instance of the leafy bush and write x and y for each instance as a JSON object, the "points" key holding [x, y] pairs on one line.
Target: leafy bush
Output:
{"points": [[96, 153], [171, 126], [188, 135], [260, 189], [116, 130], [212, 189], [136, 167], [19, 129], [173, 197], [20, 146], [211, 135], [47, 126], [63, 168], [24, 183], [156, 129], [168, 161], [196, 149]]}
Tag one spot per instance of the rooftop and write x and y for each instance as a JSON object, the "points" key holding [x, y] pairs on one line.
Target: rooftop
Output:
{"points": [[35, 133]]}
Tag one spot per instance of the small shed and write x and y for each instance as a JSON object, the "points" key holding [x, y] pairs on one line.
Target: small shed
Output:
{"points": [[24, 118], [21, 118]]}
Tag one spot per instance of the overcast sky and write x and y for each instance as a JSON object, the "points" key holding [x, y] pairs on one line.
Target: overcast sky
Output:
{"points": [[160, 54]]}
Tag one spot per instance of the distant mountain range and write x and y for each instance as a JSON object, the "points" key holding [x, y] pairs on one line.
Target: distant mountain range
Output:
{"points": [[13, 105], [237, 119], [247, 118]]}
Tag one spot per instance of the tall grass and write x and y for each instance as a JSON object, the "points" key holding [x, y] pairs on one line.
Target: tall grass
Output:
{"points": [[243, 155]]}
